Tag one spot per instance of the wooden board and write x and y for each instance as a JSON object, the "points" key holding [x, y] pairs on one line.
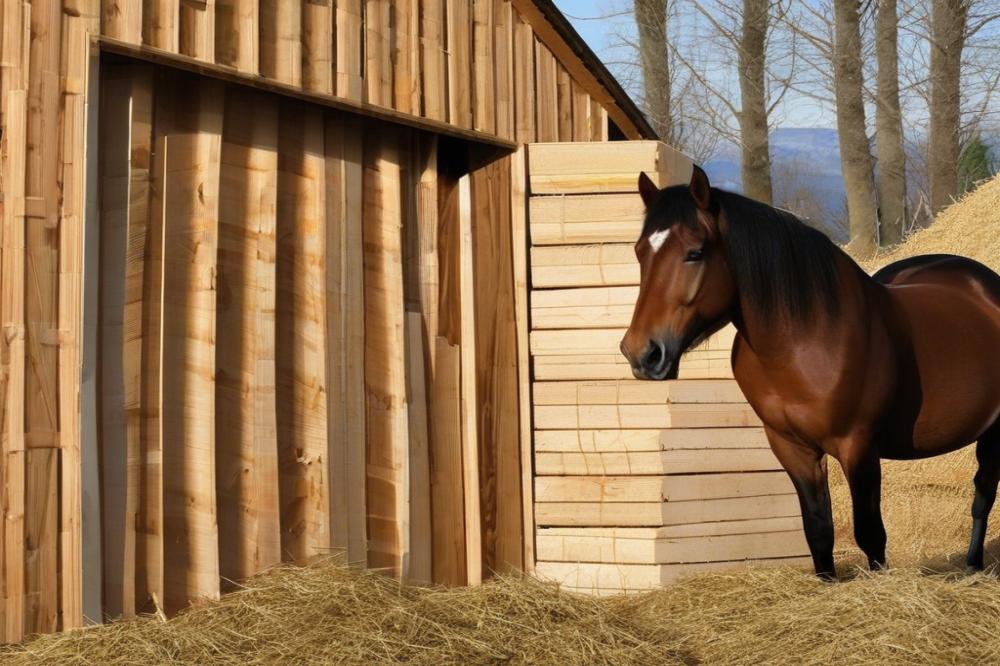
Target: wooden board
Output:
{"points": [[301, 344], [759, 539], [317, 45], [345, 322], [604, 264], [656, 514], [589, 578], [441, 302], [586, 218], [637, 392], [237, 33], [694, 365], [349, 57], [678, 488], [246, 426], [606, 341], [613, 441], [386, 420], [703, 415], [281, 40], [190, 237], [590, 168], [681, 461], [596, 307]]}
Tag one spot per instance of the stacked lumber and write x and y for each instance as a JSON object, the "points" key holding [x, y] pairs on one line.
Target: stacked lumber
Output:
{"points": [[636, 483]]}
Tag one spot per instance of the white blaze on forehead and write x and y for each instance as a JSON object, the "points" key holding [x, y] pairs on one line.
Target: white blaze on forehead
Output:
{"points": [[658, 238]]}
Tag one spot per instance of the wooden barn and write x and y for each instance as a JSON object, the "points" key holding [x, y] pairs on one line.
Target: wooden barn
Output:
{"points": [[267, 292]]}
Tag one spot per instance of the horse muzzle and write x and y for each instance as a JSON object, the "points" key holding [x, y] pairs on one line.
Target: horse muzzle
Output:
{"points": [[658, 361]]}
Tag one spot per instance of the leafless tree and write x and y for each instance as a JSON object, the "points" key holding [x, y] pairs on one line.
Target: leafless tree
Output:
{"points": [[889, 126], [855, 155], [947, 39]]}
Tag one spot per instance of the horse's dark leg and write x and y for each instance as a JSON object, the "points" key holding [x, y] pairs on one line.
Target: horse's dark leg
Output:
{"points": [[864, 476], [987, 476], [806, 466]]}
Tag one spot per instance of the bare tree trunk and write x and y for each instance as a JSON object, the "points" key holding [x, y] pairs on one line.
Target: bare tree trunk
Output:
{"points": [[755, 149], [651, 21], [948, 18], [889, 127], [855, 156]]}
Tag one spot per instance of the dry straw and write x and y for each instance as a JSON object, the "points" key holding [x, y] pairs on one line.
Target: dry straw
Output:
{"points": [[926, 610]]}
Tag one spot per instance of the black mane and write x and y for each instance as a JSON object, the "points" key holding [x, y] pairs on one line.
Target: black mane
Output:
{"points": [[780, 264]]}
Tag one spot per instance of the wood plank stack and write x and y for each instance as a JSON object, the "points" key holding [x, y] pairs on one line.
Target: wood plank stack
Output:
{"points": [[636, 483]]}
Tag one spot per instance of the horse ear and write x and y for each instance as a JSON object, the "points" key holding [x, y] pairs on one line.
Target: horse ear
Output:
{"points": [[700, 189], [647, 189]]}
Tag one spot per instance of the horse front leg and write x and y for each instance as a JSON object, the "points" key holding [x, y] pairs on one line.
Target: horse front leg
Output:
{"points": [[864, 477], [806, 466]]}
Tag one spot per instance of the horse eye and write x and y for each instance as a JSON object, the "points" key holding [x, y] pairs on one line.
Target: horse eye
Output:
{"points": [[693, 255]]}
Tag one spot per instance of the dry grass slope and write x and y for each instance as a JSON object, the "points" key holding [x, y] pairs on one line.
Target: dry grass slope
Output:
{"points": [[924, 611]]}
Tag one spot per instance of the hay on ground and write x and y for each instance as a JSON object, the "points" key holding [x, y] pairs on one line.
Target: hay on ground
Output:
{"points": [[926, 610]]}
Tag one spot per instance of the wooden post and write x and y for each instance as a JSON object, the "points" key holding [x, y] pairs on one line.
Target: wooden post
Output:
{"points": [[385, 362], [12, 309], [345, 321], [434, 73], [197, 29], [246, 429], [237, 35], [470, 403], [519, 238], [281, 40], [317, 45], [160, 24], [441, 304], [350, 46], [301, 345], [190, 233]]}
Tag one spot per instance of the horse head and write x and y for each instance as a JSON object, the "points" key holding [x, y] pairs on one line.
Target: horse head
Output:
{"points": [[686, 290]]}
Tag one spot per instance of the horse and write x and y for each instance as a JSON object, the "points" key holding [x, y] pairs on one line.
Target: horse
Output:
{"points": [[904, 364]]}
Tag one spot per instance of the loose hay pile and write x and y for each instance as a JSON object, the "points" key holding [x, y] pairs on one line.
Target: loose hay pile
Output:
{"points": [[924, 611]]}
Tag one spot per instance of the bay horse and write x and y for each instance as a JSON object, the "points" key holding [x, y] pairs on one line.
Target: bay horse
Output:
{"points": [[904, 364]]}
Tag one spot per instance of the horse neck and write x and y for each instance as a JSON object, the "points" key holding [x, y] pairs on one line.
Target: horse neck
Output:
{"points": [[775, 337]]}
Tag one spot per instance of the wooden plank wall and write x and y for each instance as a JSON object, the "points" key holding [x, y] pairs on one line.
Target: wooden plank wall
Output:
{"points": [[351, 358], [444, 60], [235, 317]]}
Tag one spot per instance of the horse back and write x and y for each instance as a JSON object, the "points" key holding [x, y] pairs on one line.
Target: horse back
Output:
{"points": [[944, 313]]}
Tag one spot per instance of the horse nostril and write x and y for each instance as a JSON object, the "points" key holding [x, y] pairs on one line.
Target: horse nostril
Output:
{"points": [[653, 356]]}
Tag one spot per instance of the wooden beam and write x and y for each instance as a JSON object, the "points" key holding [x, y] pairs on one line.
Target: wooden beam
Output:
{"points": [[484, 93], [197, 29], [470, 400], [519, 240], [190, 239], [13, 360], [460, 62], [43, 194], [115, 170], [345, 322], [433, 72], [503, 62], [317, 45], [122, 19], [564, 103], [160, 24], [237, 35], [246, 414], [385, 361], [378, 53], [301, 345], [440, 298], [230, 75], [524, 81], [546, 95], [350, 40], [281, 41]]}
